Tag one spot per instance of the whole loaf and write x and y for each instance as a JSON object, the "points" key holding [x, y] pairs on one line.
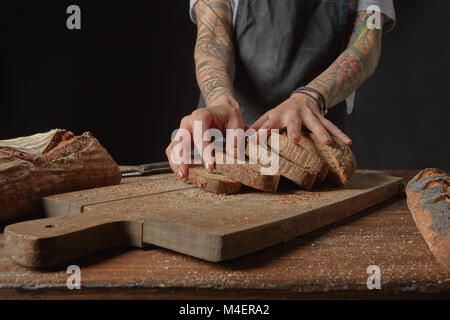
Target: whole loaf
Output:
{"points": [[49, 163], [428, 199]]}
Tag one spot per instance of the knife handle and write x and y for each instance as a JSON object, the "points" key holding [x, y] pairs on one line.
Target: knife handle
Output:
{"points": [[160, 167]]}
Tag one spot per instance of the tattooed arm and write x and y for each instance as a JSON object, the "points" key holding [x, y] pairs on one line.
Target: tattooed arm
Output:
{"points": [[214, 52], [214, 68], [354, 66], [336, 83]]}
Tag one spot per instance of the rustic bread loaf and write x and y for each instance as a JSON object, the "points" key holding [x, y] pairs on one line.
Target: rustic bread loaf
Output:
{"points": [[339, 158], [428, 199], [49, 163], [212, 182], [247, 174], [303, 154]]}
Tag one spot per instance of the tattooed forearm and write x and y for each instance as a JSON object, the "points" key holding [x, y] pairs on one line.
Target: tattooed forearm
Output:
{"points": [[214, 52], [355, 65]]}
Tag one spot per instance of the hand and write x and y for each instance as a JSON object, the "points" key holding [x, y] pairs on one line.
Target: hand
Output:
{"points": [[295, 112], [223, 115]]}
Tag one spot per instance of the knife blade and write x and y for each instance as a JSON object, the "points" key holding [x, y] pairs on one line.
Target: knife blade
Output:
{"points": [[147, 169]]}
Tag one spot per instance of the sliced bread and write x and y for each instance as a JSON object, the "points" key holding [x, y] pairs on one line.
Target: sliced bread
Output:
{"points": [[292, 171], [339, 158], [212, 182], [247, 174], [303, 154]]}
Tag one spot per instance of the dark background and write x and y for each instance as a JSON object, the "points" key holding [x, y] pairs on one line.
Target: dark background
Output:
{"points": [[128, 77]]}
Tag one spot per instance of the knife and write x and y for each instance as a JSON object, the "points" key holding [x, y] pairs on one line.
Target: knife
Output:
{"points": [[148, 168]]}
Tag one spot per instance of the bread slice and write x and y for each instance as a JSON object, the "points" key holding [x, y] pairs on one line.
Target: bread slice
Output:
{"points": [[248, 174], [303, 154], [339, 158], [292, 171], [212, 182], [308, 144], [49, 163], [428, 199]]}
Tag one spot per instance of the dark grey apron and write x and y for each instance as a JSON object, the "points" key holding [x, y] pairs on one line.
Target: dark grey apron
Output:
{"points": [[284, 44]]}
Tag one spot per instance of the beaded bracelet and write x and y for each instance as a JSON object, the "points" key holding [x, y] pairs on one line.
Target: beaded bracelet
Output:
{"points": [[320, 102]]}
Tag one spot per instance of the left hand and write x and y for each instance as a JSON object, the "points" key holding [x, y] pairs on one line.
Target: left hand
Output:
{"points": [[295, 112]]}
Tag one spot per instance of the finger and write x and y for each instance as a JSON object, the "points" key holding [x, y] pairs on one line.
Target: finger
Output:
{"points": [[294, 127], [311, 121], [335, 131], [186, 145], [256, 126], [270, 124], [209, 150], [180, 169], [201, 121], [173, 166], [258, 123], [236, 146]]}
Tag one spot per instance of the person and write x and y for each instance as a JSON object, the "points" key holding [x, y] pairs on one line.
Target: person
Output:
{"points": [[275, 64]]}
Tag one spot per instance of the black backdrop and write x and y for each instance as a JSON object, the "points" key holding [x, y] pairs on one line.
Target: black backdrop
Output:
{"points": [[128, 77]]}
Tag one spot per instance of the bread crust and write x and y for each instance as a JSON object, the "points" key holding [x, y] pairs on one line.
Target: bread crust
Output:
{"points": [[291, 170], [428, 199], [49, 163], [302, 154], [247, 174], [212, 182], [339, 158]]}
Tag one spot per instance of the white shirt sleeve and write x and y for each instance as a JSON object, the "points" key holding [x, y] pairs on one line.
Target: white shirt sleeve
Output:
{"points": [[234, 5], [386, 7]]}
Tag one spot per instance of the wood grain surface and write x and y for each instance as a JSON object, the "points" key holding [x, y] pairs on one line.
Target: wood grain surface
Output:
{"points": [[171, 214], [328, 263]]}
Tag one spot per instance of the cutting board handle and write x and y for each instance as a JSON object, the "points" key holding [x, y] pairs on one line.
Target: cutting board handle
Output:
{"points": [[52, 241]]}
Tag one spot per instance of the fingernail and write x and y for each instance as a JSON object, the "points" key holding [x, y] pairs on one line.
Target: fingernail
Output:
{"points": [[327, 137], [295, 138], [207, 167], [180, 173]]}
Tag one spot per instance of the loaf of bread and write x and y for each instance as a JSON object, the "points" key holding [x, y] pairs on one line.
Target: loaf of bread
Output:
{"points": [[339, 158], [428, 199], [212, 182], [304, 163], [49, 163]]}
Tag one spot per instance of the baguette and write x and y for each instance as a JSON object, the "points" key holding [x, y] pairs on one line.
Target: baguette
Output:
{"points": [[49, 163], [428, 199], [212, 182]]}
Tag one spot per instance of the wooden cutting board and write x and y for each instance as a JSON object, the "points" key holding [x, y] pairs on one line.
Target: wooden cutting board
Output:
{"points": [[164, 211]]}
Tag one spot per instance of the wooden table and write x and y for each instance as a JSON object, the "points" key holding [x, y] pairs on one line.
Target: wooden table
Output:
{"points": [[328, 263]]}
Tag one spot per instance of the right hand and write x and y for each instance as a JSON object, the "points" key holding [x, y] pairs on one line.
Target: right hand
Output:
{"points": [[297, 111], [223, 115]]}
